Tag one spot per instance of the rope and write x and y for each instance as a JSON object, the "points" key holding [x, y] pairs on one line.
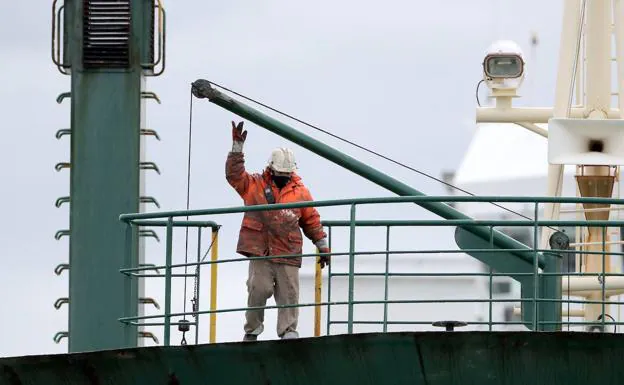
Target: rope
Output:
{"points": [[365, 149], [188, 193], [214, 238]]}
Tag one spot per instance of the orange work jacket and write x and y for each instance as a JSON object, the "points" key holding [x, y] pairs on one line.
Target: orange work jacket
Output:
{"points": [[275, 232]]}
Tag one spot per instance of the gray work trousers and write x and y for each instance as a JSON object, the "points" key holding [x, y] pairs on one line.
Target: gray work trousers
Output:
{"points": [[268, 278]]}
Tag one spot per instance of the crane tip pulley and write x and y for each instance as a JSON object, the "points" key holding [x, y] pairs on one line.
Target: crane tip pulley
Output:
{"points": [[202, 89]]}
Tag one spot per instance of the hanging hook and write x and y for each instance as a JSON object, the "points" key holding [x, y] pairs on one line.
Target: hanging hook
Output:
{"points": [[184, 326]]}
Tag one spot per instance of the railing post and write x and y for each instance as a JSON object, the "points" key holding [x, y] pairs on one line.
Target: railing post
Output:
{"points": [[535, 268], [603, 296], [131, 284], [197, 286], [168, 262], [329, 277], [214, 256], [385, 317], [351, 269], [491, 281]]}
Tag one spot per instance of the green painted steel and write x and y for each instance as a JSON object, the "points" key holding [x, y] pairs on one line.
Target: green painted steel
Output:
{"points": [[434, 358], [549, 285], [106, 109], [146, 223], [168, 262], [541, 290], [351, 286], [418, 199], [546, 285]]}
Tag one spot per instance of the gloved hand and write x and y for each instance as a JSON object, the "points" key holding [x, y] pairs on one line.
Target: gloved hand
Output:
{"points": [[324, 259], [323, 247], [238, 137]]}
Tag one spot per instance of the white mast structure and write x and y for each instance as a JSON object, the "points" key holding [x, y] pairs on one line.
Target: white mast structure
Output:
{"points": [[588, 134]]}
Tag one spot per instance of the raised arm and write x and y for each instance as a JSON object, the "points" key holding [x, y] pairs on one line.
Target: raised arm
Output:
{"points": [[235, 172]]}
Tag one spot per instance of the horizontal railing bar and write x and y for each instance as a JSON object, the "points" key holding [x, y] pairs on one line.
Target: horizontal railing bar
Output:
{"points": [[585, 323], [404, 252], [421, 223], [469, 323], [160, 275], [476, 223], [452, 275], [377, 223], [381, 274], [580, 301], [478, 323], [424, 322], [366, 201], [371, 302], [145, 222], [127, 270], [333, 303], [194, 323]]}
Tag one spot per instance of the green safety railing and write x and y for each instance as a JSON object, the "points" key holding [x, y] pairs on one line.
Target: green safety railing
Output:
{"points": [[169, 275], [389, 224], [531, 301]]}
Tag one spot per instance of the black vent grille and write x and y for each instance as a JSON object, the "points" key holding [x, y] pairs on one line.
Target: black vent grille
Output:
{"points": [[106, 34], [152, 30]]}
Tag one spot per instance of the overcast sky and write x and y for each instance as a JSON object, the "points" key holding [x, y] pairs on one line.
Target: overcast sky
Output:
{"points": [[396, 76]]}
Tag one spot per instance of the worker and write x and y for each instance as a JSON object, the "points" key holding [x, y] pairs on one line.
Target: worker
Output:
{"points": [[273, 233]]}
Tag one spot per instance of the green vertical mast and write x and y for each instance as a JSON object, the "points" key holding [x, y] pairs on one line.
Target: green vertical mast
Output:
{"points": [[107, 50]]}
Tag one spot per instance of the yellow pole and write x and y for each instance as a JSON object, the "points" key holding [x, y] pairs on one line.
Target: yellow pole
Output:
{"points": [[317, 297], [214, 256]]}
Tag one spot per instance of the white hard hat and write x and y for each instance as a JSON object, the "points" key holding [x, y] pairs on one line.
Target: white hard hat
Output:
{"points": [[283, 160]]}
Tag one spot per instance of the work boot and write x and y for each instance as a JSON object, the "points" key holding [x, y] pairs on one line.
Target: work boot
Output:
{"points": [[290, 335], [253, 336]]}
